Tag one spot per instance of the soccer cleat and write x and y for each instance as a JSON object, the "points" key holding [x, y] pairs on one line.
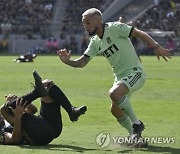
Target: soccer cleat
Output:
{"points": [[137, 130], [136, 142], [141, 143], [76, 112], [39, 87]]}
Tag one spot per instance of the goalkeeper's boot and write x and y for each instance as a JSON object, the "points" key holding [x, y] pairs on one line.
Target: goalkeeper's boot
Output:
{"points": [[137, 130], [39, 87], [76, 112]]}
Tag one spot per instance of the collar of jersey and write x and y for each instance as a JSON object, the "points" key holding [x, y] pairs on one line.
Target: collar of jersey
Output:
{"points": [[103, 31]]}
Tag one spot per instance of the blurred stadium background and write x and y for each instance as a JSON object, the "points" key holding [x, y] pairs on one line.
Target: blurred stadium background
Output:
{"points": [[44, 26]]}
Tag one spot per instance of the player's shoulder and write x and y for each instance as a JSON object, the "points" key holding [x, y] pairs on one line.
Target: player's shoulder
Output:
{"points": [[118, 26], [112, 24], [94, 38]]}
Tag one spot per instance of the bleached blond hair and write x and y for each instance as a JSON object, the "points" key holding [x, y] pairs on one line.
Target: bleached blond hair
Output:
{"points": [[92, 11]]}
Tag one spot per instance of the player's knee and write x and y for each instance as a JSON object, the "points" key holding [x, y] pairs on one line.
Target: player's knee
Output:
{"points": [[117, 92], [113, 93], [48, 83]]}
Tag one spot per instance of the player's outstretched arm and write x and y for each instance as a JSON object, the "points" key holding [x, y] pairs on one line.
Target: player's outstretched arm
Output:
{"points": [[65, 56], [159, 50]]}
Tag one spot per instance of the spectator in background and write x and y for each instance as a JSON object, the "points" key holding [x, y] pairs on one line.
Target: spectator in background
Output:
{"points": [[149, 50], [6, 28], [63, 41], [162, 15], [49, 45], [141, 48], [122, 19], [74, 9], [156, 2], [28, 1], [44, 32], [3, 45], [52, 45], [29, 34], [26, 12], [170, 44], [0, 46], [55, 45], [38, 49], [84, 42], [177, 31], [73, 45]]}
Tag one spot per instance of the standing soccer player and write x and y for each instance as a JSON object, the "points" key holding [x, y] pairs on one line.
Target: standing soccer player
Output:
{"points": [[112, 41]]}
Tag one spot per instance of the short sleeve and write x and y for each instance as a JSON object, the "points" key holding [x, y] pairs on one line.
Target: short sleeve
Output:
{"points": [[91, 50]]}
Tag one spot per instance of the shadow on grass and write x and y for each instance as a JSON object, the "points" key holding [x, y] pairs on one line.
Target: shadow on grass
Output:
{"points": [[158, 149], [154, 149], [61, 147], [73, 148]]}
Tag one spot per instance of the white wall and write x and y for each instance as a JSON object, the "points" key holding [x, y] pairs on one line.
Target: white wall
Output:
{"points": [[20, 45]]}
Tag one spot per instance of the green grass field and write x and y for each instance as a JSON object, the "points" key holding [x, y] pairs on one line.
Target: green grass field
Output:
{"points": [[157, 104]]}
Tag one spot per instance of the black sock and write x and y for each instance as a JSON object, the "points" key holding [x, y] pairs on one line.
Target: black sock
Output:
{"points": [[58, 96], [26, 98]]}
